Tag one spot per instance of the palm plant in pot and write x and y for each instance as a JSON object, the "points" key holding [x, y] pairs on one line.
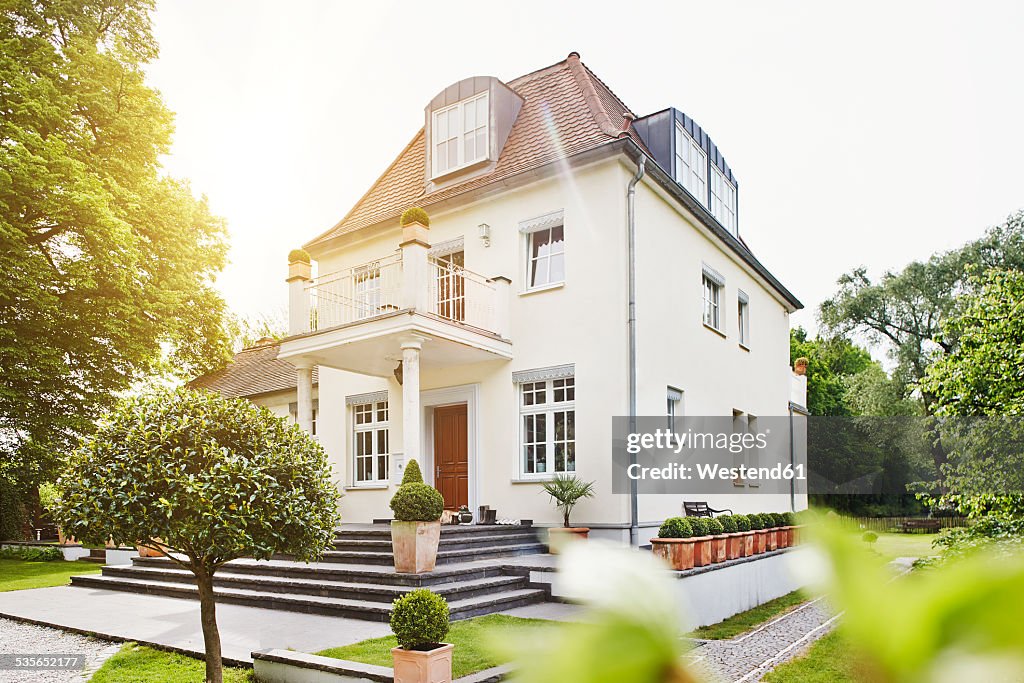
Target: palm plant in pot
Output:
{"points": [[746, 535], [416, 528], [718, 539], [420, 621], [674, 543], [566, 491], [702, 540]]}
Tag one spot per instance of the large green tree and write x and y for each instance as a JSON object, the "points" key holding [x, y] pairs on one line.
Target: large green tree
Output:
{"points": [[107, 263], [829, 362]]}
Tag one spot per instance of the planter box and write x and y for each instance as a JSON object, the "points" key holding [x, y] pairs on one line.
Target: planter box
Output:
{"points": [[677, 552], [718, 548], [734, 546], [748, 543], [414, 545], [560, 535], [772, 539], [702, 551], [423, 666], [790, 536], [760, 541]]}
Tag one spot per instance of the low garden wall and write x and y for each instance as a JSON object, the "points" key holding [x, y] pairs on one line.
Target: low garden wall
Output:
{"points": [[288, 666], [70, 551]]}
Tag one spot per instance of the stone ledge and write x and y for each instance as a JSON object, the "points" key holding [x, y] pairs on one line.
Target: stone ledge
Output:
{"points": [[288, 666]]}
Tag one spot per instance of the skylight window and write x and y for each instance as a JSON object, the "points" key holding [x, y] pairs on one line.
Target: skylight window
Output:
{"points": [[460, 134]]}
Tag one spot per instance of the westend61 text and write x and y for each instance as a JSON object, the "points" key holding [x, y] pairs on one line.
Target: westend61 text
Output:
{"points": [[713, 471]]}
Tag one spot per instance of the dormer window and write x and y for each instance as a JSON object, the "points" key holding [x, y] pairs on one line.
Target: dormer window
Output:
{"points": [[723, 200], [460, 134], [691, 165]]}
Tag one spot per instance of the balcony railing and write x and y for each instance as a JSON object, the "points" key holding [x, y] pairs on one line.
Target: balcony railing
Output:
{"points": [[379, 287]]}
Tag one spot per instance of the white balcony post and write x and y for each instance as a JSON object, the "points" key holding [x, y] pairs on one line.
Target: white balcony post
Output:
{"points": [[411, 428], [502, 302], [415, 269], [300, 273], [304, 389]]}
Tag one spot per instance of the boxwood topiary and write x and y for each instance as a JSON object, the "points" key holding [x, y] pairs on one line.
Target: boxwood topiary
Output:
{"points": [[700, 526], [790, 518], [780, 519], [742, 522], [298, 256], [412, 473], [715, 527], [728, 523], [417, 502], [420, 619], [675, 527], [756, 523], [415, 214]]}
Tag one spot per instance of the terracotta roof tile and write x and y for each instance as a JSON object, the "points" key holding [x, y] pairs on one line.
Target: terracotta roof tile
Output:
{"points": [[566, 110], [253, 371]]}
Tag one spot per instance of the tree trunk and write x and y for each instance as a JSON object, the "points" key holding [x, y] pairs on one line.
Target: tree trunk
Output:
{"points": [[208, 616]]}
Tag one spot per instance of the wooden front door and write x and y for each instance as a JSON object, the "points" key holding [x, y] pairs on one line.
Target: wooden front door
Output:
{"points": [[451, 455]]}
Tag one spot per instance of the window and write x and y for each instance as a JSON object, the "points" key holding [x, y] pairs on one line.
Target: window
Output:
{"points": [[312, 429], [712, 302], [723, 200], [293, 410], [370, 441], [451, 285], [546, 264], [548, 424], [459, 134], [366, 284], [743, 318], [691, 165], [674, 405]]}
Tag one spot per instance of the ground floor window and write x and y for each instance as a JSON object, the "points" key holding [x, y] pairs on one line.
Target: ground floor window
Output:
{"points": [[370, 441], [547, 426]]}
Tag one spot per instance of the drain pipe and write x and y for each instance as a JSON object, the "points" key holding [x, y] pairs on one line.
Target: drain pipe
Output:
{"points": [[634, 515]]}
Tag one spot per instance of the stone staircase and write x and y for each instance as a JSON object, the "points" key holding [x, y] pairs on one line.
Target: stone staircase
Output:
{"points": [[357, 578]]}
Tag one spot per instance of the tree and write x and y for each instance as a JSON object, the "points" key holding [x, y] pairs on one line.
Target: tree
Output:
{"points": [[205, 480], [829, 361], [106, 263]]}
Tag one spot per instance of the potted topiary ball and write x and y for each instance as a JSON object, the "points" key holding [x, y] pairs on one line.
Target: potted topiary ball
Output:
{"points": [[718, 540], [771, 539], [791, 538], [674, 543], [416, 528], [420, 620], [746, 535], [734, 539], [781, 533], [758, 524], [566, 491], [702, 540]]}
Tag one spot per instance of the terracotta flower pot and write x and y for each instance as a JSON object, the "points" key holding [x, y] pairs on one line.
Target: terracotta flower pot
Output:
{"points": [[783, 534], [414, 545], [150, 552], [423, 666], [702, 551], [760, 541], [734, 546], [748, 543], [718, 548], [772, 539], [560, 535], [677, 552], [790, 536], [64, 540]]}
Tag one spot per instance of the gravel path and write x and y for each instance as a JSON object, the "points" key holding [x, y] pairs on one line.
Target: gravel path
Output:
{"points": [[18, 638]]}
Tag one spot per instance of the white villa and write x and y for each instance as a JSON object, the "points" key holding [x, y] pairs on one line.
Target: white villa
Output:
{"points": [[581, 263]]}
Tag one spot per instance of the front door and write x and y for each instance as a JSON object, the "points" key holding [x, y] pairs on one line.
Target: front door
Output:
{"points": [[451, 455]]}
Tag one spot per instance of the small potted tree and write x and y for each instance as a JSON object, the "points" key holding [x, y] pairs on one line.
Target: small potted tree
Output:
{"points": [[674, 543], [718, 540], [746, 535], [566, 491], [420, 620], [771, 539], [416, 528], [701, 540], [734, 539], [757, 523], [781, 530]]}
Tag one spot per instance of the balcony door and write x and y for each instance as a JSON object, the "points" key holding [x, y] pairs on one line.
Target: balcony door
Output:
{"points": [[451, 286], [451, 455]]}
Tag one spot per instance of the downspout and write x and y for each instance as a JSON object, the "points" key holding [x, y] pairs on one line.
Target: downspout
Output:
{"points": [[634, 515]]}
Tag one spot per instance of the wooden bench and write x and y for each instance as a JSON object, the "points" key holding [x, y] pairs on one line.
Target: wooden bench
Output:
{"points": [[928, 526], [700, 509]]}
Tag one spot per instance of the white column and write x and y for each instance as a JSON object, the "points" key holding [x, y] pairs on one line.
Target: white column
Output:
{"points": [[304, 373], [299, 276], [411, 416], [415, 270]]}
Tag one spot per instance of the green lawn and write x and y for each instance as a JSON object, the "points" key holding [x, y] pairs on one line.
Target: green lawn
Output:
{"points": [[136, 664], [16, 575], [889, 546], [744, 621], [829, 660], [470, 638]]}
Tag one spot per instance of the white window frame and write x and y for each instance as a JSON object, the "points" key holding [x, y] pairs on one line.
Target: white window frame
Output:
{"points": [[712, 292], [376, 427], [549, 408], [530, 229], [690, 156], [368, 290], [293, 410], [743, 318], [723, 200], [673, 405], [460, 136]]}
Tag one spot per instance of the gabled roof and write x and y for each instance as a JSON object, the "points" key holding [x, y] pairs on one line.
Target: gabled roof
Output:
{"points": [[566, 110], [254, 371]]}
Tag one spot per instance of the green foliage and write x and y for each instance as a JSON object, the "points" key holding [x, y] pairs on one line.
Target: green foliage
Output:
{"points": [[701, 525], [417, 502], [745, 621], [715, 527], [419, 619], [13, 515], [675, 527], [108, 265], [415, 214], [247, 331], [299, 256], [790, 519], [869, 537], [566, 491], [412, 473], [44, 553], [214, 478], [996, 533], [136, 664], [780, 519], [756, 521], [742, 522], [829, 361], [16, 575], [48, 496], [728, 523]]}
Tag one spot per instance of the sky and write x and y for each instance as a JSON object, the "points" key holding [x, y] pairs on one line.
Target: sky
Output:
{"points": [[862, 134]]}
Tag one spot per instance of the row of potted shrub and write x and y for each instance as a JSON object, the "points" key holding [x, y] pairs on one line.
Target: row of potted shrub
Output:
{"points": [[687, 542]]}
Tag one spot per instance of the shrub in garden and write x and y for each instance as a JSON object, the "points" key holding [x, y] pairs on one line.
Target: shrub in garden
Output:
{"points": [[780, 519], [412, 473], [420, 619], [675, 527], [46, 553], [756, 522], [728, 523], [213, 478], [869, 537], [742, 522], [790, 518], [298, 256], [417, 502], [415, 214], [700, 526], [715, 527]]}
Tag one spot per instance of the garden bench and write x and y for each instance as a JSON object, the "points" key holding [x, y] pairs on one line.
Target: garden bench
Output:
{"points": [[929, 526], [701, 509]]}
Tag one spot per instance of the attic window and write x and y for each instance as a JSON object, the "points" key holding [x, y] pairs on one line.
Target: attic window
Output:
{"points": [[459, 134]]}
